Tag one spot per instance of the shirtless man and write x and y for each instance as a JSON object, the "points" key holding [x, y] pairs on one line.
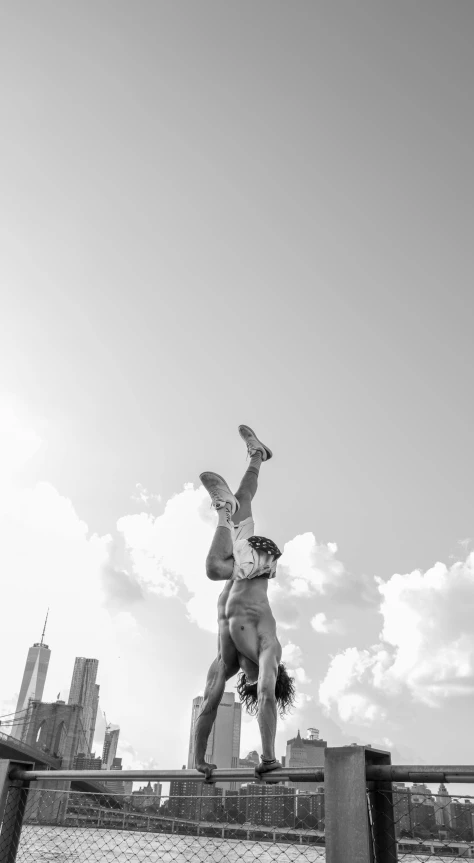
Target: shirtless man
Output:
{"points": [[247, 639]]}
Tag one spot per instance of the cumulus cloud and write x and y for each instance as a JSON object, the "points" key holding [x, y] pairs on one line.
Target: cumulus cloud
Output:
{"points": [[121, 589], [141, 495], [131, 759], [285, 609], [309, 568], [292, 656], [50, 558], [348, 674], [321, 624], [426, 646], [301, 676], [168, 552]]}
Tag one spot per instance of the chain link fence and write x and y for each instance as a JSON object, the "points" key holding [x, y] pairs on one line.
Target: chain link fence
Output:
{"points": [[427, 824], [256, 822], [11, 824], [352, 816]]}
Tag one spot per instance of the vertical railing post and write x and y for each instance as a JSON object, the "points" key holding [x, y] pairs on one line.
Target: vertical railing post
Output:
{"points": [[13, 796], [382, 810], [347, 823], [367, 837]]}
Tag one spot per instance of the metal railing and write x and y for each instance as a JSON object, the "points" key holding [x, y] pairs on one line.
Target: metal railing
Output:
{"points": [[353, 810], [237, 774], [373, 772]]}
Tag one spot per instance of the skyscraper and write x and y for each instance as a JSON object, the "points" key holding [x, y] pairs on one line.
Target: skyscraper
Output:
{"points": [[443, 809], [117, 787], [95, 707], [305, 752], [223, 746], [110, 747], [32, 685], [84, 691]]}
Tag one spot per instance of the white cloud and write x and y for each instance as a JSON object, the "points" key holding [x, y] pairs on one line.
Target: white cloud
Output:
{"points": [[50, 559], [322, 625], [347, 674], [426, 647], [131, 759], [142, 495], [301, 676], [292, 656], [308, 566], [428, 625], [168, 552]]}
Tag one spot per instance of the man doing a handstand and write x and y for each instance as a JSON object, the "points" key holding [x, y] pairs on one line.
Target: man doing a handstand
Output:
{"points": [[247, 639]]}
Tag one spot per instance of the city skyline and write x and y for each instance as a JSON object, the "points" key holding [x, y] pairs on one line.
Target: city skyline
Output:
{"points": [[224, 745]]}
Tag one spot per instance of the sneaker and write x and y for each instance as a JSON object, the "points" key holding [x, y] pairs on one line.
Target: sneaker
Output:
{"points": [[219, 491], [253, 443]]}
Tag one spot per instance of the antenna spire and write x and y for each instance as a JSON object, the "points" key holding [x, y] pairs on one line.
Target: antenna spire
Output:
{"points": [[44, 628]]}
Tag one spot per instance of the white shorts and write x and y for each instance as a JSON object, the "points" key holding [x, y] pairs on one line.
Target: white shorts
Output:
{"points": [[248, 561]]}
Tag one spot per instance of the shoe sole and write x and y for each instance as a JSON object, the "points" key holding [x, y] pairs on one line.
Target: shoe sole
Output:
{"points": [[225, 484], [266, 448]]}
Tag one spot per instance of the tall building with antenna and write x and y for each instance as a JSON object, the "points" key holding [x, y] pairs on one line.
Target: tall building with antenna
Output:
{"points": [[32, 685], [85, 691]]}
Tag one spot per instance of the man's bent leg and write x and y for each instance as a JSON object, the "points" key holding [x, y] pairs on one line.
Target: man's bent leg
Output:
{"points": [[220, 560], [220, 563], [267, 708]]}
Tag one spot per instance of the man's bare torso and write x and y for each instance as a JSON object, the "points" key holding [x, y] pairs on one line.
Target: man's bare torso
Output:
{"points": [[246, 624]]}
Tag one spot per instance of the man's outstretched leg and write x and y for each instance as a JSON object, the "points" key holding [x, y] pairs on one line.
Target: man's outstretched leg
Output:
{"points": [[258, 452]]}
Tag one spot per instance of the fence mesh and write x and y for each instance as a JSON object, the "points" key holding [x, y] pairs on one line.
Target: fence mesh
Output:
{"points": [[426, 824], [256, 822], [197, 822], [11, 825]]}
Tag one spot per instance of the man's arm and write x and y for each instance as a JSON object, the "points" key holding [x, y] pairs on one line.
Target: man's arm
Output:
{"points": [[215, 685]]}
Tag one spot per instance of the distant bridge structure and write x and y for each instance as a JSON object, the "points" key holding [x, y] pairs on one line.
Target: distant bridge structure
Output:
{"points": [[14, 750]]}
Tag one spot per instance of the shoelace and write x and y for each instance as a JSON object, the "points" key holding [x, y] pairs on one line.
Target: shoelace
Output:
{"points": [[254, 449], [215, 498]]}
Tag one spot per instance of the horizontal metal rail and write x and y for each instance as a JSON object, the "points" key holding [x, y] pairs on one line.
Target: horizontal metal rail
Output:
{"points": [[420, 773], [377, 773], [222, 774]]}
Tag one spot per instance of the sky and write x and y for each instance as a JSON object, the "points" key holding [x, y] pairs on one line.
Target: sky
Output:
{"points": [[214, 214]]}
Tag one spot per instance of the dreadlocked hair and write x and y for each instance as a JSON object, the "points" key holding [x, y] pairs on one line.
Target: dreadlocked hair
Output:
{"points": [[284, 692]]}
